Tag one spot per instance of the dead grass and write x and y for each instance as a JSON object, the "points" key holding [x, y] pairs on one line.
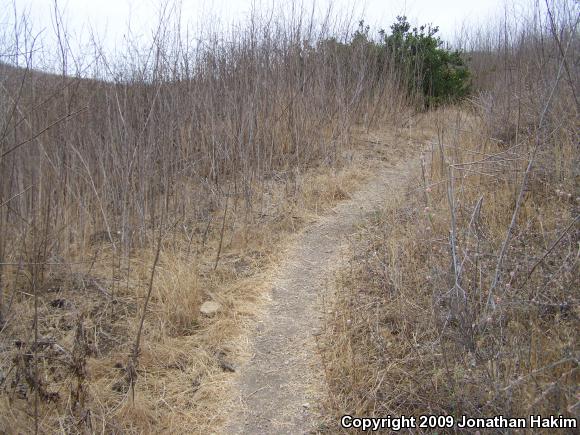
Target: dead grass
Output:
{"points": [[185, 363], [137, 186], [406, 337], [461, 295]]}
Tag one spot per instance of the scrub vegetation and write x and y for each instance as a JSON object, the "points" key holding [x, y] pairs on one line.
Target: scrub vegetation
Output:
{"points": [[461, 296], [135, 188]]}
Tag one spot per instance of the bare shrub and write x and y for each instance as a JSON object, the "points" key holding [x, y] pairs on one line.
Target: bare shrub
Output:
{"points": [[135, 187], [462, 296]]}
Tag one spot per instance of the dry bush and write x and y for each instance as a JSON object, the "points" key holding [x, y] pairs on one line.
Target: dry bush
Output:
{"points": [[461, 297], [185, 358], [134, 188]]}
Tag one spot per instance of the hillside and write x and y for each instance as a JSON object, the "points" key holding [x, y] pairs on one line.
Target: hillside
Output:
{"points": [[263, 230]]}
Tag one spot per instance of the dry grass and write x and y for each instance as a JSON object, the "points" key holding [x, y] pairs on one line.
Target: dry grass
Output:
{"points": [[185, 360], [212, 155], [461, 296], [412, 334], [135, 188]]}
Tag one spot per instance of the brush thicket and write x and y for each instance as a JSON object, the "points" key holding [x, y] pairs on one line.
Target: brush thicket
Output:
{"points": [[462, 295]]}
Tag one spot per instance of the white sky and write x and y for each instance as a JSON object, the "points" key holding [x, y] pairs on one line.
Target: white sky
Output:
{"points": [[109, 18]]}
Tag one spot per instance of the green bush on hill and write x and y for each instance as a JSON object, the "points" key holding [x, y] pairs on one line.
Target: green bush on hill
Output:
{"points": [[429, 69], [439, 73]]}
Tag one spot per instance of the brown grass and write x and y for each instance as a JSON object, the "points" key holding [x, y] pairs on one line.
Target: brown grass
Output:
{"points": [[208, 151], [217, 153], [461, 295], [402, 339], [185, 360]]}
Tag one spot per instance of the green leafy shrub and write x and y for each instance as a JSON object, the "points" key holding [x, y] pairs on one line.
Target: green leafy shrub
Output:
{"points": [[438, 73], [419, 59]]}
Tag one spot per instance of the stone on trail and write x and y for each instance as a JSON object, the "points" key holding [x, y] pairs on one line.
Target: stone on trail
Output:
{"points": [[209, 308]]}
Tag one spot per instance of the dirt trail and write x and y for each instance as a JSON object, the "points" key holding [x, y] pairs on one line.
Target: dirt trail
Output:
{"points": [[281, 385]]}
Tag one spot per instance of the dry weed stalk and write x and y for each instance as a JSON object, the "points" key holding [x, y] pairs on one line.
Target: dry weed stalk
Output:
{"points": [[471, 307], [101, 163]]}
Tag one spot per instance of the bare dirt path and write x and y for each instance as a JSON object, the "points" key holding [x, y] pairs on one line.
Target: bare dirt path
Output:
{"points": [[280, 387]]}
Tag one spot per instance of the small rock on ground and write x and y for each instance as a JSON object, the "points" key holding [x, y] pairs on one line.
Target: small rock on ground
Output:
{"points": [[209, 308]]}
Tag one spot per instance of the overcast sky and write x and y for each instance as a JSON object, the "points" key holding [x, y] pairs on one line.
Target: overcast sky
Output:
{"points": [[109, 18]]}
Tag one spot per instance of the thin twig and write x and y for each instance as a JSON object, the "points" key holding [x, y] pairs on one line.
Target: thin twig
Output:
{"points": [[551, 248], [217, 257], [523, 187], [16, 196], [34, 136]]}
